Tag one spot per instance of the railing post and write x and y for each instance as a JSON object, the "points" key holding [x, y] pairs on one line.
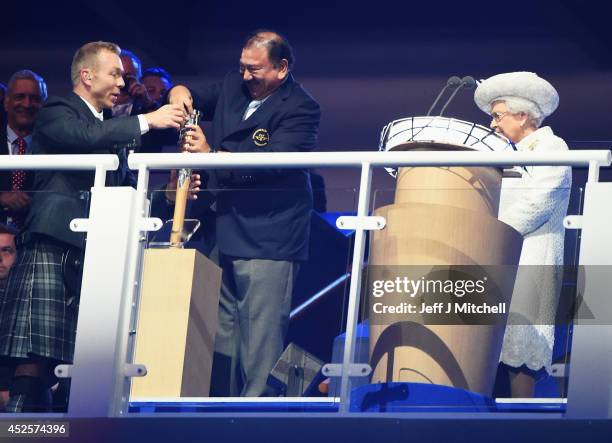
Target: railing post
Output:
{"points": [[355, 287], [133, 272], [98, 372], [590, 372]]}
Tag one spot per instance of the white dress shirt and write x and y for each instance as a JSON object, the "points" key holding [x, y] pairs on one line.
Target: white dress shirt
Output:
{"points": [[144, 126], [254, 106]]}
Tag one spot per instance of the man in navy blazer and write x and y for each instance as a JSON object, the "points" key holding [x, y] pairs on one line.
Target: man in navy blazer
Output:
{"points": [[262, 215]]}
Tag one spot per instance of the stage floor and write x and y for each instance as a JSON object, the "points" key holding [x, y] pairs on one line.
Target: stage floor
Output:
{"points": [[330, 405]]}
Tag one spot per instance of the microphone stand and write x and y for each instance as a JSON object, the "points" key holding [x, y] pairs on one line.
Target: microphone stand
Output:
{"points": [[466, 81], [452, 82]]}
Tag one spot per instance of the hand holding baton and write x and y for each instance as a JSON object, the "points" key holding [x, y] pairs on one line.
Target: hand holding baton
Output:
{"points": [[182, 186]]}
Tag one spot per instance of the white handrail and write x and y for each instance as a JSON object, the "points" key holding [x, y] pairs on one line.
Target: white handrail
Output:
{"points": [[131, 239], [67, 162], [357, 158], [101, 163], [365, 160]]}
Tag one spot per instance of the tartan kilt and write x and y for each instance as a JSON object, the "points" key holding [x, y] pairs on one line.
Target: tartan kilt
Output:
{"points": [[38, 315]]}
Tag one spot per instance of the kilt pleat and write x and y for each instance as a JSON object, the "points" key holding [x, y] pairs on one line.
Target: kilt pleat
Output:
{"points": [[37, 315]]}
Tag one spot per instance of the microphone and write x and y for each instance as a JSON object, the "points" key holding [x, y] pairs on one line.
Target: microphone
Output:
{"points": [[453, 82], [466, 82], [469, 82]]}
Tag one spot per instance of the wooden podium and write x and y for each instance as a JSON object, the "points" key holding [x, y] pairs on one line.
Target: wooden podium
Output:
{"points": [[443, 216], [177, 322]]}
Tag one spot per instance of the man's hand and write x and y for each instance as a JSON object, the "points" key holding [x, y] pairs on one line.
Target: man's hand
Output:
{"points": [[180, 95], [195, 140], [168, 116], [194, 186], [14, 201]]}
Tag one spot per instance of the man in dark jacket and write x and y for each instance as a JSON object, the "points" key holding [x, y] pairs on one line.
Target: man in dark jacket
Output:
{"points": [[262, 215], [39, 312], [26, 94], [134, 99], [8, 251]]}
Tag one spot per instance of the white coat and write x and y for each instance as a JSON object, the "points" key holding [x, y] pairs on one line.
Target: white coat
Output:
{"points": [[535, 205]]}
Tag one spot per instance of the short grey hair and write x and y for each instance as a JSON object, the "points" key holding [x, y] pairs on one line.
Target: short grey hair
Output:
{"points": [[519, 104], [26, 74]]}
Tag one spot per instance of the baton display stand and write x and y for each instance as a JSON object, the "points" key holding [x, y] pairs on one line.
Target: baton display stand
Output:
{"points": [[443, 216], [177, 322], [177, 317]]}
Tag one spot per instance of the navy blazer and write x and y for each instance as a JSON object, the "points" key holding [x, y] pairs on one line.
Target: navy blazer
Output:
{"points": [[261, 213], [65, 125]]}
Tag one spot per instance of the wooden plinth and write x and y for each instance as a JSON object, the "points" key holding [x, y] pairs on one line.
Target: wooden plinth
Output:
{"points": [[177, 322]]}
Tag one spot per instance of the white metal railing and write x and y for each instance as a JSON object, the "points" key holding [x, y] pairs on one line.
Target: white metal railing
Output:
{"points": [[357, 158], [593, 159], [105, 322], [101, 163]]}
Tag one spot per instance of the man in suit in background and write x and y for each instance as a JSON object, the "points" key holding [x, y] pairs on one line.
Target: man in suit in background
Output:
{"points": [[262, 215], [8, 251], [2, 111], [25, 96], [158, 83], [39, 312], [134, 99]]}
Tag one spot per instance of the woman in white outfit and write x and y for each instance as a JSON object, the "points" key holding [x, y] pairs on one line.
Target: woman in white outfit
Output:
{"points": [[534, 205]]}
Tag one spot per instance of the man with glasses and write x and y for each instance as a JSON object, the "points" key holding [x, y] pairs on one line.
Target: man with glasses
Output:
{"points": [[262, 216]]}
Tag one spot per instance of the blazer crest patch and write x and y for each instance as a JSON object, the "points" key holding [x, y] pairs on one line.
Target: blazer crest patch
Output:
{"points": [[261, 137]]}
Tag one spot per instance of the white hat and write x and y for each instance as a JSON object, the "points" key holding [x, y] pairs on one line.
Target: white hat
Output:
{"points": [[526, 85]]}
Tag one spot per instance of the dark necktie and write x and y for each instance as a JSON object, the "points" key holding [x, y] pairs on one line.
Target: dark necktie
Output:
{"points": [[19, 177]]}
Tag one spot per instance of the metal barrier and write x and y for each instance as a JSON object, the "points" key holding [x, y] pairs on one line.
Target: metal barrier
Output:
{"points": [[117, 221], [101, 163]]}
